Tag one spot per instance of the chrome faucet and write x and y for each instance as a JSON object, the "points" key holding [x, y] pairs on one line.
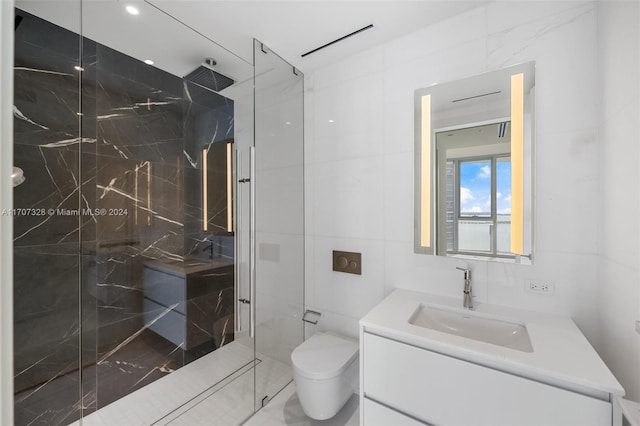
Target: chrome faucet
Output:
{"points": [[468, 301]]}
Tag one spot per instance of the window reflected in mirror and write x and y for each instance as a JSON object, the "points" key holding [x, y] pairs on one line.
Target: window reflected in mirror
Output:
{"points": [[475, 205]]}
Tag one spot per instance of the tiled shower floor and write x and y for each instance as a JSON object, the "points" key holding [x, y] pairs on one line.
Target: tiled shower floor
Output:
{"points": [[228, 402]]}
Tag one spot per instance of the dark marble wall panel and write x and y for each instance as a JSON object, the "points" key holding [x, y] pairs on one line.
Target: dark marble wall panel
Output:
{"points": [[46, 333], [134, 74], [46, 106], [89, 229], [89, 329], [50, 195], [147, 128], [46, 321], [139, 110]]}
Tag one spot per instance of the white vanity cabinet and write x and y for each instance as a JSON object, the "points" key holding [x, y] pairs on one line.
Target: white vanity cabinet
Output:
{"points": [[439, 389], [411, 375], [376, 414]]}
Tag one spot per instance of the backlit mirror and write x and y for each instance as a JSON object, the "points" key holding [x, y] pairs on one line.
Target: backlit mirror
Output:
{"points": [[217, 194], [473, 166]]}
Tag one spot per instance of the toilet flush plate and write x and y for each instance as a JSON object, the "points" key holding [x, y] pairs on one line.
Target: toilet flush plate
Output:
{"points": [[346, 261]]}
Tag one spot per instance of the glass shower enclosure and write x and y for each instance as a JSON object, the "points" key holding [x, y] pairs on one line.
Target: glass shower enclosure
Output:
{"points": [[159, 235]]}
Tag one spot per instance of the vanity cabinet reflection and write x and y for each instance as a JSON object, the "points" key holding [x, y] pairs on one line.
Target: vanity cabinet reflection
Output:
{"points": [[190, 304]]}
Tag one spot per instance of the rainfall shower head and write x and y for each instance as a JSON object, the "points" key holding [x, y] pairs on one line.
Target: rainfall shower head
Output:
{"points": [[17, 176], [206, 77]]}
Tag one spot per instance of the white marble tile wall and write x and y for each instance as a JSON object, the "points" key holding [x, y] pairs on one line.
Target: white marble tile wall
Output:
{"points": [[359, 162], [619, 277]]}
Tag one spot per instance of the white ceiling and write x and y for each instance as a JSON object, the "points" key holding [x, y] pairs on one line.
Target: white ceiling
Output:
{"points": [[226, 29], [293, 27]]}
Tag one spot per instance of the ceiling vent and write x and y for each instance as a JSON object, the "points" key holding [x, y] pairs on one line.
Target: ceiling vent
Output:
{"points": [[477, 96], [338, 40]]}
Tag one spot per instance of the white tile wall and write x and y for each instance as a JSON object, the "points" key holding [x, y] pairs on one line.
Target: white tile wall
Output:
{"points": [[344, 205], [359, 189], [619, 277]]}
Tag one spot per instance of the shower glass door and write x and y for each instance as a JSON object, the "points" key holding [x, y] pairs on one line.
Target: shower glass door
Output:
{"points": [[279, 220]]}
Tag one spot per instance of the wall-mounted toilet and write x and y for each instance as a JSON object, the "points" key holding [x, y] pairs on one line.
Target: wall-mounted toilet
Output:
{"points": [[325, 370]]}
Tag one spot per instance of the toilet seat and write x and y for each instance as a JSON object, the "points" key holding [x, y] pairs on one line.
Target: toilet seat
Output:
{"points": [[324, 356]]}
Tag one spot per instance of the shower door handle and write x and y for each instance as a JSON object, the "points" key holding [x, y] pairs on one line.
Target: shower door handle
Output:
{"points": [[236, 243], [239, 243], [252, 241], [240, 232]]}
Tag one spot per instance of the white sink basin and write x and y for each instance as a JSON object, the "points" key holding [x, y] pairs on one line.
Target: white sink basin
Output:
{"points": [[474, 326]]}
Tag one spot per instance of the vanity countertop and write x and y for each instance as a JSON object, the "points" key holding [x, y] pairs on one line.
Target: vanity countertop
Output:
{"points": [[188, 266], [561, 355]]}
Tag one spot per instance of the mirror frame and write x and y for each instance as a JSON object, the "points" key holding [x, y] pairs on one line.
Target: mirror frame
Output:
{"points": [[522, 78]]}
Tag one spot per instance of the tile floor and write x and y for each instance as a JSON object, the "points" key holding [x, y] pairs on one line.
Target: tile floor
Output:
{"points": [[285, 410], [231, 403]]}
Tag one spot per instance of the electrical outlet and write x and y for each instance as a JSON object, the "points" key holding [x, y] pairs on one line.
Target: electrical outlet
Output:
{"points": [[538, 286]]}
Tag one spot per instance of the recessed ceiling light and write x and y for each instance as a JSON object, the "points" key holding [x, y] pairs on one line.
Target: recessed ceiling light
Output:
{"points": [[132, 10], [287, 123], [331, 121], [148, 61]]}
